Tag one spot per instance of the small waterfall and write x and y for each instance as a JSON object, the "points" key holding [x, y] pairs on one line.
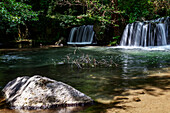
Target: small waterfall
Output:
{"points": [[148, 33], [81, 35]]}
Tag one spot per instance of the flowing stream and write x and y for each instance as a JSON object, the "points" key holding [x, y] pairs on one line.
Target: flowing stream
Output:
{"points": [[100, 83]]}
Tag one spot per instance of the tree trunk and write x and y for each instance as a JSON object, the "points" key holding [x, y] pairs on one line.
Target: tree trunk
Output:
{"points": [[22, 32]]}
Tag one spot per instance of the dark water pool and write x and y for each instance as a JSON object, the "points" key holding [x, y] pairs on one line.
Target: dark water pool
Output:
{"points": [[100, 83]]}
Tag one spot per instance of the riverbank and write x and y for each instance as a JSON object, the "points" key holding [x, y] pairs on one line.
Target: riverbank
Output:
{"points": [[149, 99], [28, 48]]}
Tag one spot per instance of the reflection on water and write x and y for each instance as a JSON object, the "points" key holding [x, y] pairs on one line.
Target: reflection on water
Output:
{"points": [[98, 83]]}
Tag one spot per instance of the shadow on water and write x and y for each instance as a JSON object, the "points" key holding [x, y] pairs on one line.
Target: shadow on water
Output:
{"points": [[149, 85]]}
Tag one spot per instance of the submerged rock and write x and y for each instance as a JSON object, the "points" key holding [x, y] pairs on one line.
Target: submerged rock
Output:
{"points": [[41, 92]]}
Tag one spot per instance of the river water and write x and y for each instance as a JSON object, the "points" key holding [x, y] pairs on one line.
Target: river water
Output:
{"points": [[133, 65]]}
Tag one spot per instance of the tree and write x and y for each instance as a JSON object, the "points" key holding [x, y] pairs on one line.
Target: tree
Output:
{"points": [[14, 14], [141, 10]]}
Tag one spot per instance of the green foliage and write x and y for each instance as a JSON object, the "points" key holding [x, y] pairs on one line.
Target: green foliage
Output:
{"points": [[95, 11], [16, 12], [63, 14], [135, 9], [160, 8], [100, 12], [14, 17], [142, 10], [115, 40]]}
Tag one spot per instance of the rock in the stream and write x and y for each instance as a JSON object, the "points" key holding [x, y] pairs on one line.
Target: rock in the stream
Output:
{"points": [[41, 92]]}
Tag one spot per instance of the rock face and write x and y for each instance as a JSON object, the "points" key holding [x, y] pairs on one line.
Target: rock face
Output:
{"points": [[41, 92]]}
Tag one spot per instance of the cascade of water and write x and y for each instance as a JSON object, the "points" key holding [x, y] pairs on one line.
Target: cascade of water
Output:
{"points": [[72, 32], [138, 34], [167, 29], [125, 36], [81, 35], [148, 33], [144, 35], [130, 35], [161, 36]]}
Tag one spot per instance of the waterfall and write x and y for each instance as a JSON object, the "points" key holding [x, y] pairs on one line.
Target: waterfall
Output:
{"points": [[81, 35], [148, 33]]}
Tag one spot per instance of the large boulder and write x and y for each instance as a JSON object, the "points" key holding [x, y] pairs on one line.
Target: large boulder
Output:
{"points": [[41, 92]]}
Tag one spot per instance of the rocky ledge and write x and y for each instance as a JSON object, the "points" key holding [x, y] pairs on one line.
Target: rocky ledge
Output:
{"points": [[41, 92]]}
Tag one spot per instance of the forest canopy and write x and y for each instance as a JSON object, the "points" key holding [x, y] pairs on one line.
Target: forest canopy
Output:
{"points": [[27, 18]]}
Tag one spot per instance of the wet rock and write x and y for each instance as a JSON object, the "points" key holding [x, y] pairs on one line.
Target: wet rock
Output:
{"points": [[41, 92]]}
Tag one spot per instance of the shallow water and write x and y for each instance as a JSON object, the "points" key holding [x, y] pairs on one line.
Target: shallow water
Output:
{"points": [[102, 84]]}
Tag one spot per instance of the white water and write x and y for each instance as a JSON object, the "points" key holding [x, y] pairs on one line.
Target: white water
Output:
{"points": [[81, 35], [149, 48], [148, 33]]}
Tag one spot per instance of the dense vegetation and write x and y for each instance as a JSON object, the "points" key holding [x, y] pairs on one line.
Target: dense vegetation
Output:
{"points": [[46, 21]]}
